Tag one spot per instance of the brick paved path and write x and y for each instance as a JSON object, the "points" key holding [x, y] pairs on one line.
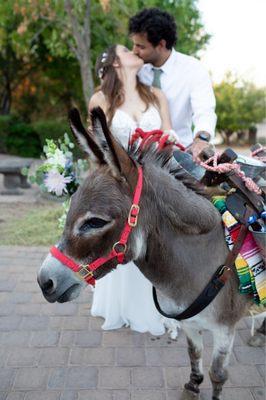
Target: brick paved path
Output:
{"points": [[59, 352]]}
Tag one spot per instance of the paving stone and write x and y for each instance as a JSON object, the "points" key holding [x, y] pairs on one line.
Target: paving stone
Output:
{"points": [[56, 322], [31, 378], [237, 393], [44, 395], [148, 395], [95, 323], [65, 309], [57, 378], [77, 360], [67, 338], [158, 341], [85, 378], [121, 395], [117, 338], [28, 309], [259, 393], [262, 370], [92, 356], [16, 396], [130, 357], [76, 323], [20, 298], [10, 323], [244, 376], [51, 357], [84, 310], [74, 378], [6, 378], [147, 377], [3, 356], [114, 377], [23, 357], [45, 339], [6, 309], [34, 323], [95, 395], [14, 338], [69, 395], [7, 285], [167, 356], [87, 339], [249, 355], [28, 287]]}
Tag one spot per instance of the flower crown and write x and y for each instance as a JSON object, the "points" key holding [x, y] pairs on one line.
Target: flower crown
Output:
{"points": [[101, 70]]}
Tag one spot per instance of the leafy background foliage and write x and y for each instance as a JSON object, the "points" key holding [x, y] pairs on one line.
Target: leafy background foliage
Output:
{"points": [[47, 52]]}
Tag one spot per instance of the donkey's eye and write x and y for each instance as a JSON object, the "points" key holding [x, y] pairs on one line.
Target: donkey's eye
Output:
{"points": [[92, 223]]}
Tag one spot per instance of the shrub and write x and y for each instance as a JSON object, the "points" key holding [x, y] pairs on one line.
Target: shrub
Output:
{"points": [[18, 137], [54, 129], [27, 139]]}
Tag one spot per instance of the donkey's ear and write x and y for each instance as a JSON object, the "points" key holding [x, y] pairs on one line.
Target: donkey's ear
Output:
{"points": [[115, 154], [84, 138]]}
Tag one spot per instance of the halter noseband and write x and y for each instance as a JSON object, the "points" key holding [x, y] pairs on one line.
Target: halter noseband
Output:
{"points": [[119, 248]]}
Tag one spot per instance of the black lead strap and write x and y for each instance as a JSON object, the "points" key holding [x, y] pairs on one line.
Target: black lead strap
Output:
{"points": [[215, 284], [201, 302]]}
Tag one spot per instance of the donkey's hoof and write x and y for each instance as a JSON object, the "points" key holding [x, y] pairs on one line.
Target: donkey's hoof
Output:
{"points": [[258, 340], [189, 395]]}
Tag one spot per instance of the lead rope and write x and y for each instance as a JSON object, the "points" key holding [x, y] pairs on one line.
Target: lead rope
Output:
{"points": [[227, 167], [255, 152]]}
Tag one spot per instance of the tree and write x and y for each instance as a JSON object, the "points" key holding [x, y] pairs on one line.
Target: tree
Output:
{"points": [[81, 29], [240, 105], [14, 64]]}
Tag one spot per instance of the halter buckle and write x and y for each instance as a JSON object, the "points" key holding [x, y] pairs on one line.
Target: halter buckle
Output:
{"points": [[123, 247], [133, 215], [84, 273]]}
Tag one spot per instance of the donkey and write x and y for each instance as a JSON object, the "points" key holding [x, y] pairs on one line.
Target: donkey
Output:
{"points": [[177, 244]]}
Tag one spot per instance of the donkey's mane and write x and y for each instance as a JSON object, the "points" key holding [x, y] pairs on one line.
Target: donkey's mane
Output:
{"points": [[162, 159]]}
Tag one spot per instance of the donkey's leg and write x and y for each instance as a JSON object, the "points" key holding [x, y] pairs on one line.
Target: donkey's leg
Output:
{"points": [[223, 339], [195, 346]]}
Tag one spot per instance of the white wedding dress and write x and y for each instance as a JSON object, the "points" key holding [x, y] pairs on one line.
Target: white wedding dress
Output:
{"points": [[124, 296]]}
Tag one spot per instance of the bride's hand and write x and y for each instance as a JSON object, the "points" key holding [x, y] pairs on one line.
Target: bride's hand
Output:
{"points": [[173, 137]]}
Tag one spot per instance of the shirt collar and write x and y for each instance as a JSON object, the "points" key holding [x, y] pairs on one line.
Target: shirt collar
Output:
{"points": [[167, 66]]}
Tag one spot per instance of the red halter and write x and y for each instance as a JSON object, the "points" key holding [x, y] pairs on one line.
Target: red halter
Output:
{"points": [[119, 248]]}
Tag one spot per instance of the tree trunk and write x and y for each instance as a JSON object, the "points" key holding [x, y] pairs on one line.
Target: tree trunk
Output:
{"points": [[5, 102], [87, 80], [82, 49]]}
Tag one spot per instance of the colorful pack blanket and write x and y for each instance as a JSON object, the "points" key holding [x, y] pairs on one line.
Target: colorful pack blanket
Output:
{"points": [[249, 263]]}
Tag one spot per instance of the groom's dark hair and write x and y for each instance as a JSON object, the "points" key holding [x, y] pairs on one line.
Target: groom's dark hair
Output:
{"points": [[157, 24]]}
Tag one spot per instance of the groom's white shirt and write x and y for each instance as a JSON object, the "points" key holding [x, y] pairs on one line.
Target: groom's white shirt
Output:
{"points": [[188, 89]]}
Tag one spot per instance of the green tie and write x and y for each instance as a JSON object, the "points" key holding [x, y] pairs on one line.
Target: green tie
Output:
{"points": [[157, 77]]}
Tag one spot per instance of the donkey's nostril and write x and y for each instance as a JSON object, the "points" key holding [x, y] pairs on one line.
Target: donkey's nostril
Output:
{"points": [[48, 287]]}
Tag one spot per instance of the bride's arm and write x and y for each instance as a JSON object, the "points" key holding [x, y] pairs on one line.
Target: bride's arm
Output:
{"points": [[98, 100]]}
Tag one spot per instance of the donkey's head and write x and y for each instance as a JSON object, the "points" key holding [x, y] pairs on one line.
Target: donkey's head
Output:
{"points": [[98, 210]]}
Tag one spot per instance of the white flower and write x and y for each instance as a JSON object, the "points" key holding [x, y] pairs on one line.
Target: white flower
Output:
{"points": [[58, 158], [56, 182]]}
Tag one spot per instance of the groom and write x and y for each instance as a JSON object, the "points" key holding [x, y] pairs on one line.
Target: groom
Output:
{"points": [[182, 78]]}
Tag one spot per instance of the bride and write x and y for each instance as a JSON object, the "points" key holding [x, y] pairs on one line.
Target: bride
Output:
{"points": [[124, 297]]}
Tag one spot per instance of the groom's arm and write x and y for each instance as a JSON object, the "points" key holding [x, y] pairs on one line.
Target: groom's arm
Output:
{"points": [[203, 110]]}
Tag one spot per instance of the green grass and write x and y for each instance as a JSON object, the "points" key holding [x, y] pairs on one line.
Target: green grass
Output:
{"points": [[37, 227]]}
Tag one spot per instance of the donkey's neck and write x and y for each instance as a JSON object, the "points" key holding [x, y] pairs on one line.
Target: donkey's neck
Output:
{"points": [[181, 231]]}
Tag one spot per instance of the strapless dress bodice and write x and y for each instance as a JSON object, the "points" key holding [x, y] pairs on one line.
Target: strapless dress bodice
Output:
{"points": [[123, 125]]}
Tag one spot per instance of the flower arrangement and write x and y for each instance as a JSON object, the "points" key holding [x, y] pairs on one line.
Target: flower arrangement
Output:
{"points": [[59, 174]]}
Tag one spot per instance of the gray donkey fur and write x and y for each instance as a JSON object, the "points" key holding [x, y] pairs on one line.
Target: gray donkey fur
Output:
{"points": [[177, 244]]}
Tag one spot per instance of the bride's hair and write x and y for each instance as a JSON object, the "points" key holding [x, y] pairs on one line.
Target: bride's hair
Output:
{"points": [[112, 87]]}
